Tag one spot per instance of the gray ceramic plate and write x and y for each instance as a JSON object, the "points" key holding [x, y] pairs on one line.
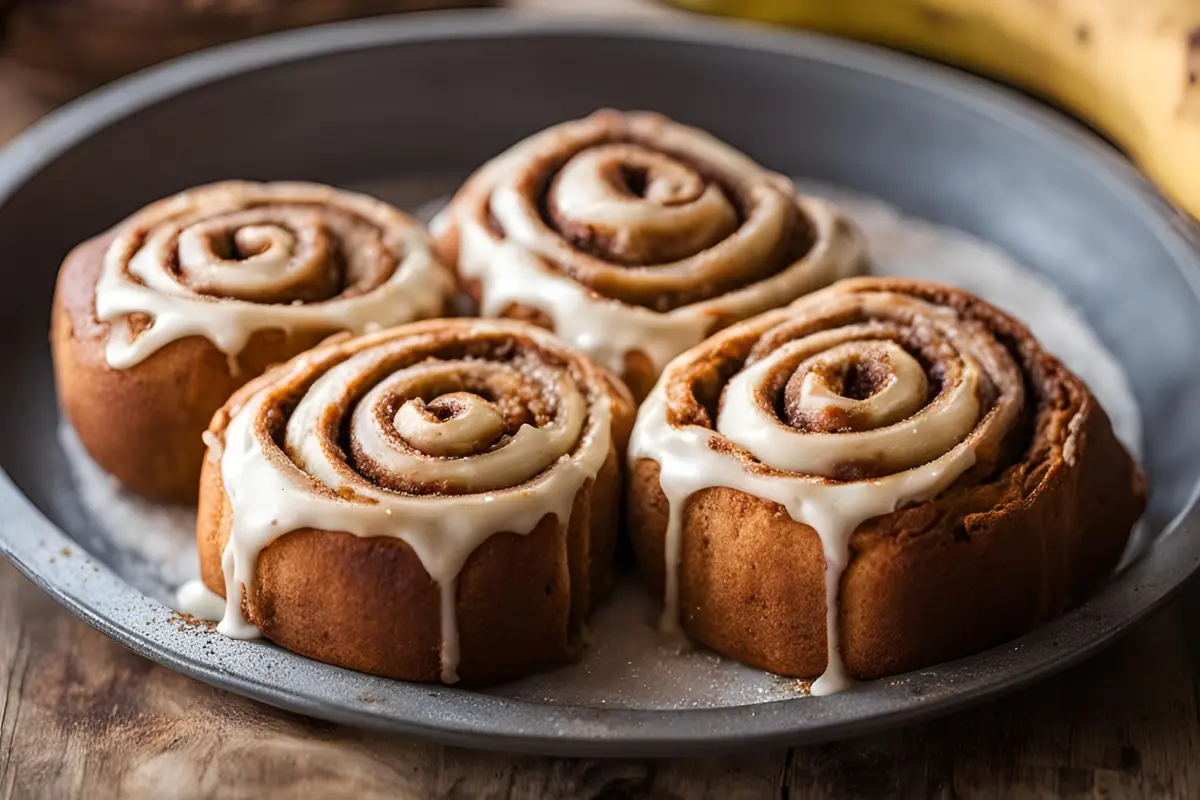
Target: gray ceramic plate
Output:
{"points": [[440, 94]]}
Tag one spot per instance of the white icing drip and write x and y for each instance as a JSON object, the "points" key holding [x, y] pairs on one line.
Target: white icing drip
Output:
{"points": [[608, 330], [417, 288], [197, 600], [605, 329], [271, 496], [689, 464]]}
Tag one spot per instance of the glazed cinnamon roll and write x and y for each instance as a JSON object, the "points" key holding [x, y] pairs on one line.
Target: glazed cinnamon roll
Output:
{"points": [[159, 320], [885, 475], [634, 237], [438, 501]]}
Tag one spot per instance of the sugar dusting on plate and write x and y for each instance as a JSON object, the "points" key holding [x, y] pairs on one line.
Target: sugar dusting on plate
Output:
{"points": [[628, 664], [153, 545]]}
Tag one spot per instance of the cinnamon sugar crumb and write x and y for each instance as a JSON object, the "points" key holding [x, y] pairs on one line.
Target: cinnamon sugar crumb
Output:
{"points": [[185, 622]]}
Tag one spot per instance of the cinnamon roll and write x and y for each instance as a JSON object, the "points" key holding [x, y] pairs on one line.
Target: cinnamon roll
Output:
{"points": [[159, 320], [884, 475], [438, 501], [634, 237]]}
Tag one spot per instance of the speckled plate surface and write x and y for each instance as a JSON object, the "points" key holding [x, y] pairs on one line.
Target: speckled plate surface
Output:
{"points": [[438, 95]]}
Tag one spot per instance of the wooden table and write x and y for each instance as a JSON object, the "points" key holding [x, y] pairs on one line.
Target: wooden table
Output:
{"points": [[81, 716]]}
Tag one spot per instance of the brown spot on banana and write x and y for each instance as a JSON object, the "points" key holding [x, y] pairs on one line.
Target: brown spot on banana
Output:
{"points": [[1189, 105], [935, 17]]}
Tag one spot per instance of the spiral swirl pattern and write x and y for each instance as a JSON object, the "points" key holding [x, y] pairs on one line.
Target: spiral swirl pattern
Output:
{"points": [[440, 434], [846, 406], [225, 260], [634, 234], [445, 425], [867, 385]]}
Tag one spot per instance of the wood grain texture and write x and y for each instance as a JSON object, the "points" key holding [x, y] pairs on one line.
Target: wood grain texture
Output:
{"points": [[82, 717]]}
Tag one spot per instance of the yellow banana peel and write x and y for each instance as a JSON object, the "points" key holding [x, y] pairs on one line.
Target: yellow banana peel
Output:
{"points": [[1129, 67]]}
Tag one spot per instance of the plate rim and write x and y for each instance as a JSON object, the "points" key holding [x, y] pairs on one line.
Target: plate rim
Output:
{"points": [[38, 548]]}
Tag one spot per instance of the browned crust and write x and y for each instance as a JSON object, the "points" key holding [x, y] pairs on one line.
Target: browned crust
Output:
{"points": [[930, 583], [143, 424], [368, 604]]}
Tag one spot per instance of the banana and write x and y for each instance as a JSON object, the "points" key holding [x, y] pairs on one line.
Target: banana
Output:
{"points": [[1131, 68]]}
